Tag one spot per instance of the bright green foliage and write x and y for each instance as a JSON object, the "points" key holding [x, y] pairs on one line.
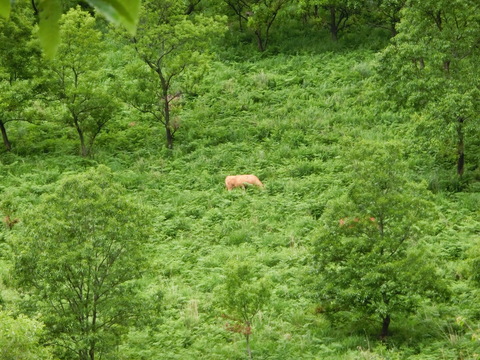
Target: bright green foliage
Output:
{"points": [[173, 47], [431, 67], [18, 60], [259, 15], [308, 119], [245, 294], [49, 13], [5, 8], [474, 259], [474, 272], [20, 338], [370, 254], [385, 14], [120, 12], [263, 15], [16, 30], [80, 83], [78, 256], [124, 12], [337, 15]]}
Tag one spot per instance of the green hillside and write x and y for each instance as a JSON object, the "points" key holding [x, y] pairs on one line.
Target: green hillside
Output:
{"points": [[363, 243]]}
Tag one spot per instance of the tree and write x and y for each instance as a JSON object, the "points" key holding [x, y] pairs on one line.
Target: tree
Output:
{"points": [[244, 296], [77, 258], [339, 12], [370, 256], [81, 83], [18, 63], [20, 338], [192, 6], [170, 44], [259, 15], [335, 14], [262, 17], [241, 9], [124, 12], [385, 14], [431, 68]]}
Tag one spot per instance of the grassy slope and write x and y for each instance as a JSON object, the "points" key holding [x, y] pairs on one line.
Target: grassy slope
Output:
{"points": [[263, 118], [284, 118]]}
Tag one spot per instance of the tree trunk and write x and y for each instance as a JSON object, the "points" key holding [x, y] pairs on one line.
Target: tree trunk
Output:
{"points": [[83, 146], [83, 354], [260, 42], [333, 24], [166, 114], [6, 142], [165, 99], [240, 22], [169, 134], [393, 28], [91, 351], [385, 325], [249, 350], [460, 147]]}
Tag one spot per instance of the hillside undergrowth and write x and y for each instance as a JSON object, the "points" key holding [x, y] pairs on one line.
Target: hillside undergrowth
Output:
{"points": [[293, 120]]}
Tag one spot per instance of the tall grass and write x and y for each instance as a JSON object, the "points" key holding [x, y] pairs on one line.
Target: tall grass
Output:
{"points": [[288, 118]]}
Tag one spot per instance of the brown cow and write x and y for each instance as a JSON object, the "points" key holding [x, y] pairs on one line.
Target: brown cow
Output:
{"points": [[240, 181]]}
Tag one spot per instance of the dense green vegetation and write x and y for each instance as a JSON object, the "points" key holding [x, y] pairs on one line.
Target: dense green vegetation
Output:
{"points": [[120, 241]]}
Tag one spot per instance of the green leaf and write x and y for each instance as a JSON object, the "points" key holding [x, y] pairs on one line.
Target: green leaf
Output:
{"points": [[5, 8], [50, 12], [124, 12]]}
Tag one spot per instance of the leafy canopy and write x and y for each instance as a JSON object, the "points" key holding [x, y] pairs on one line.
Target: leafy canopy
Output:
{"points": [[20, 338], [121, 12], [78, 256], [80, 79], [371, 256]]}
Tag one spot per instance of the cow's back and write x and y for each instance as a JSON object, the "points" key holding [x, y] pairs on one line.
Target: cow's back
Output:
{"points": [[234, 181]]}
